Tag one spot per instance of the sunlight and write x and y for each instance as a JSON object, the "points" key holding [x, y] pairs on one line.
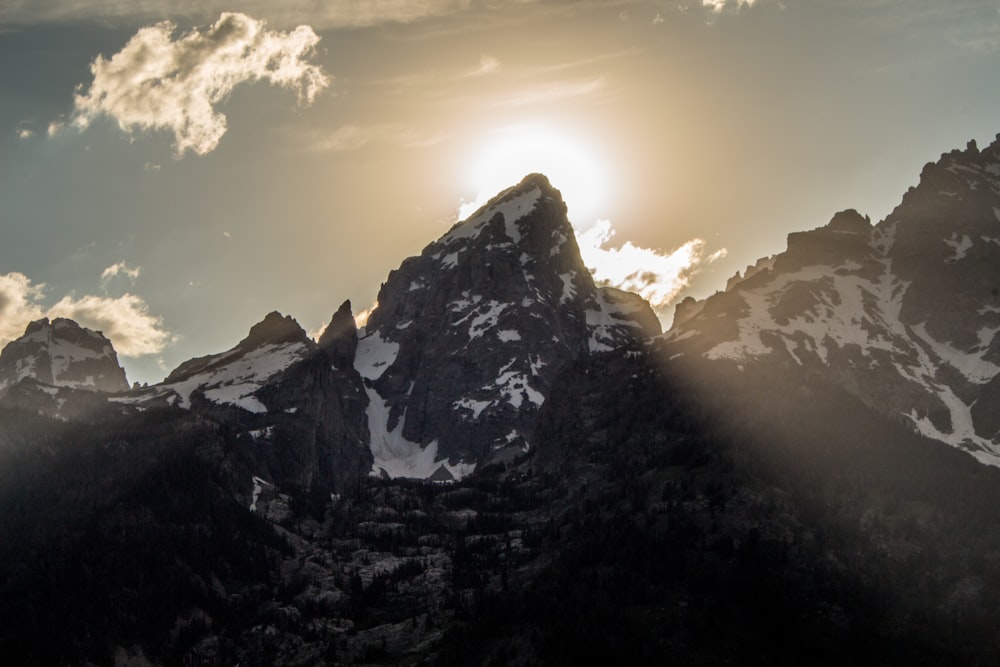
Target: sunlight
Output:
{"points": [[516, 151]]}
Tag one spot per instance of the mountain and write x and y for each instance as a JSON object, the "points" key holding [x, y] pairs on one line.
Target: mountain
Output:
{"points": [[903, 314], [61, 370], [61, 353], [506, 465], [300, 418], [460, 352]]}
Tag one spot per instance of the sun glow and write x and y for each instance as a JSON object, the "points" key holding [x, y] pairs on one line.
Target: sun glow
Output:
{"points": [[517, 151], [512, 153]]}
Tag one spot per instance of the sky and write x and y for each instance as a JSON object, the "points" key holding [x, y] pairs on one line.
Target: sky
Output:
{"points": [[172, 171]]}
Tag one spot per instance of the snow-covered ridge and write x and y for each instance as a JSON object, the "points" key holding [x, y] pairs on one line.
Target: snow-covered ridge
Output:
{"points": [[903, 316], [233, 382]]}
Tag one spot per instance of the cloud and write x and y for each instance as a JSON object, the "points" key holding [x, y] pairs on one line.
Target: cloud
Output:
{"points": [[18, 305], [487, 65], [718, 5], [344, 138], [353, 137], [120, 269], [163, 81], [338, 14], [125, 320], [656, 276], [553, 92], [24, 130]]}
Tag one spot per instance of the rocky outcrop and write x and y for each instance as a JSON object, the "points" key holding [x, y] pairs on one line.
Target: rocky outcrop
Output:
{"points": [[340, 338], [61, 353]]}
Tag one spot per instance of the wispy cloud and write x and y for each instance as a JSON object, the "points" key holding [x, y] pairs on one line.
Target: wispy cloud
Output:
{"points": [[718, 5], [120, 269], [338, 14], [24, 130], [125, 320], [487, 65], [164, 81], [552, 92], [353, 137], [656, 276]]}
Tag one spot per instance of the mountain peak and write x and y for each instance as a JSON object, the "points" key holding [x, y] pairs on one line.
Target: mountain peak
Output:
{"points": [[536, 180], [468, 336], [37, 325], [274, 329], [340, 339], [62, 353], [850, 220]]}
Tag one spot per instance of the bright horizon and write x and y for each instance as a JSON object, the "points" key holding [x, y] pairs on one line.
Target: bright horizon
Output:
{"points": [[171, 183]]}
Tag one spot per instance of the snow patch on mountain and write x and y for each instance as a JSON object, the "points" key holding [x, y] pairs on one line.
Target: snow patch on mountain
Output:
{"points": [[963, 433], [837, 315], [233, 382], [374, 355], [973, 367], [515, 387], [959, 245], [395, 456]]}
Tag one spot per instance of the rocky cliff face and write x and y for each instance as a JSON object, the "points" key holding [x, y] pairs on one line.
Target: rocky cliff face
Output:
{"points": [[903, 314], [61, 353], [462, 348]]}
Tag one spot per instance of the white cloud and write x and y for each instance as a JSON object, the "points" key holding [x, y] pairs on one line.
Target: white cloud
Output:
{"points": [[18, 305], [125, 320], [656, 276], [121, 269], [163, 81]]}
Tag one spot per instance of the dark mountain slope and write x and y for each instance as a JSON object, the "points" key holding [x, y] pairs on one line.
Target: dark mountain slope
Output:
{"points": [[708, 523]]}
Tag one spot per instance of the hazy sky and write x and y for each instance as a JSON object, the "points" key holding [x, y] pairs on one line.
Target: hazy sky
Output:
{"points": [[170, 173]]}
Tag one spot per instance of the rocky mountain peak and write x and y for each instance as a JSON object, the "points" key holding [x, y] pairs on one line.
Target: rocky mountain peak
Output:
{"points": [[274, 329], [467, 337], [845, 238], [850, 222], [61, 353], [340, 339], [275, 333]]}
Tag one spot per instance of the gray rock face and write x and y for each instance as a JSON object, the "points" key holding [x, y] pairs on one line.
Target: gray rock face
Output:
{"points": [[466, 338], [61, 353], [904, 314]]}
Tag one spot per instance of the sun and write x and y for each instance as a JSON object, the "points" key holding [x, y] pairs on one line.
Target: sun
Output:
{"points": [[569, 162]]}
